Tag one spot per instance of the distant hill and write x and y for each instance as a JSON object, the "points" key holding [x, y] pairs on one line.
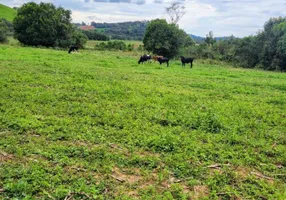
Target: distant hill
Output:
{"points": [[200, 39], [7, 12]]}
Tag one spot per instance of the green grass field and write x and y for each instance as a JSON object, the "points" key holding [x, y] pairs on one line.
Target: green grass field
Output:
{"points": [[96, 125], [7, 12]]}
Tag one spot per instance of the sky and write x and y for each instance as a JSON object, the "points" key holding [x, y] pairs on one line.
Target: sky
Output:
{"points": [[239, 18]]}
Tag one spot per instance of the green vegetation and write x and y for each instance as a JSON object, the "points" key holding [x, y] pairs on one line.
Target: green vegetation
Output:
{"points": [[7, 12], [165, 39], [45, 25], [136, 44], [122, 30], [114, 45], [4, 30], [266, 50], [95, 124], [95, 35]]}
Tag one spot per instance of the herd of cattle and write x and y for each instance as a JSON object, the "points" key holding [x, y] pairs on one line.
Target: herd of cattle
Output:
{"points": [[162, 59], [148, 58]]}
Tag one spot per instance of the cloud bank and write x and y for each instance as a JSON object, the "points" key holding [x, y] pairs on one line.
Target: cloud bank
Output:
{"points": [[223, 17]]}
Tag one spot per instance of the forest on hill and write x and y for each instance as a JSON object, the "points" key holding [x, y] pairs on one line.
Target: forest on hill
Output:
{"points": [[123, 30]]}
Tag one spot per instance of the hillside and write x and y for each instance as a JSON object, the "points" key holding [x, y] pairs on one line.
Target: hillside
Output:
{"points": [[123, 30], [200, 39], [96, 125], [7, 12], [132, 30]]}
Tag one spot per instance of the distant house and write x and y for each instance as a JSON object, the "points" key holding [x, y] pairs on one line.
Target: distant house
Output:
{"points": [[87, 28]]}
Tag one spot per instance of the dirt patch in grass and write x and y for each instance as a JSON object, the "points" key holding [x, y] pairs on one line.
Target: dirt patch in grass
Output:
{"points": [[5, 157], [200, 191], [242, 172], [216, 171], [260, 175], [126, 176]]}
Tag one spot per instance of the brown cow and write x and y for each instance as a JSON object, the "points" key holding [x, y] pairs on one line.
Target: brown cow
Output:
{"points": [[155, 58]]}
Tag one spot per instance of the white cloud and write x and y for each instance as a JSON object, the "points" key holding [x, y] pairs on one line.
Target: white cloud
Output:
{"points": [[223, 17]]}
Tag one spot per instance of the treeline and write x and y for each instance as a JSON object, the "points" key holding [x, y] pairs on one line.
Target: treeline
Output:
{"points": [[266, 50], [122, 31], [94, 35]]}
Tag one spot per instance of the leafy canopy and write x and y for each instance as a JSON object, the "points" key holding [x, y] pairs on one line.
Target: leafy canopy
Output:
{"points": [[165, 39], [44, 24]]}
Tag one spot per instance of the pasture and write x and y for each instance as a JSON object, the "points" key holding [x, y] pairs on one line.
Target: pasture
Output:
{"points": [[7, 12], [96, 125]]}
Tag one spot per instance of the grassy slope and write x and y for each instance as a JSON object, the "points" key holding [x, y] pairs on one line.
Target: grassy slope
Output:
{"points": [[99, 125], [7, 12]]}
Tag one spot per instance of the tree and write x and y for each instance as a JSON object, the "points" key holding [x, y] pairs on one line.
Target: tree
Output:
{"points": [[175, 12], [210, 38], [4, 30], [43, 24], [164, 39], [272, 50], [78, 38]]}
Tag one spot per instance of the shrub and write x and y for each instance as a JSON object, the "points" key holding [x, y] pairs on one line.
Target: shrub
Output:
{"points": [[112, 45], [3, 32]]}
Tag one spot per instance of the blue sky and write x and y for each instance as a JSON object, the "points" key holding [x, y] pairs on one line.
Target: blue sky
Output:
{"points": [[224, 17]]}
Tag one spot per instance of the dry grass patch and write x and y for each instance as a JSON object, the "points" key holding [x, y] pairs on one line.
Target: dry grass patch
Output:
{"points": [[200, 191], [5, 157], [126, 176], [242, 172]]}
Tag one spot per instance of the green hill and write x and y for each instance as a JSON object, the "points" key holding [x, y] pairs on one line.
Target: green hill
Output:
{"points": [[7, 12]]}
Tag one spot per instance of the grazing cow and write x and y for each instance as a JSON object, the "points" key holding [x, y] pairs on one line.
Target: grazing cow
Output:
{"points": [[144, 58], [163, 60], [73, 48], [186, 60], [155, 58]]}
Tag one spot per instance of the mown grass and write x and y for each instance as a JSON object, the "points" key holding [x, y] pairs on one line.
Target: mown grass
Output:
{"points": [[98, 125], [7, 12]]}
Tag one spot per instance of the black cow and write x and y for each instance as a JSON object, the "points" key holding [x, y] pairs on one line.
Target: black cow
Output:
{"points": [[186, 60], [73, 48], [144, 58], [163, 60]]}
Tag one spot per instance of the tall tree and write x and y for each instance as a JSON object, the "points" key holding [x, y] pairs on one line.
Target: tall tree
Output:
{"points": [[43, 24], [165, 39], [210, 38], [175, 12]]}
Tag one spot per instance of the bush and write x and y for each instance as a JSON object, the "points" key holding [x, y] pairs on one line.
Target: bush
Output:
{"points": [[9, 26], [112, 45], [4, 30], [79, 38]]}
